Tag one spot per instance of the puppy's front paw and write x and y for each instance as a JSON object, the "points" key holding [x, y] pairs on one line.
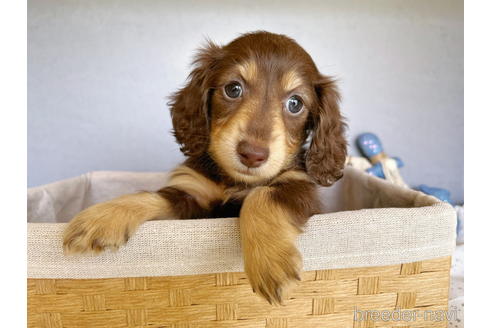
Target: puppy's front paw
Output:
{"points": [[273, 271], [99, 227]]}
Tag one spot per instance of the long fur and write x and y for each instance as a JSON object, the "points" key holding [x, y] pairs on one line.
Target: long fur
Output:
{"points": [[274, 200]]}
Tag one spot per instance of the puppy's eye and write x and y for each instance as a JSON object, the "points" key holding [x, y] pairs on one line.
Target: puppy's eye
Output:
{"points": [[294, 104], [233, 90]]}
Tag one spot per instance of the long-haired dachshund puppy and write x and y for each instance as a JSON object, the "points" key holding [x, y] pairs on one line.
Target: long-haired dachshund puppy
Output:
{"points": [[242, 121]]}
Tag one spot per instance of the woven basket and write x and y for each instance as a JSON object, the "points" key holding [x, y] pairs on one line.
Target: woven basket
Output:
{"points": [[380, 259]]}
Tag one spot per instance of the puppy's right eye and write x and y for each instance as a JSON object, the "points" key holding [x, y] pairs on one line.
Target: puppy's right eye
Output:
{"points": [[294, 104], [233, 90]]}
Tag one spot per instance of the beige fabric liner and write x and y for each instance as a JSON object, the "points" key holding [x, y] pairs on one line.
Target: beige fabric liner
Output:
{"points": [[369, 222]]}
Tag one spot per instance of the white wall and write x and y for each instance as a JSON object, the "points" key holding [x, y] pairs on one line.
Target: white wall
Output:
{"points": [[99, 73]]}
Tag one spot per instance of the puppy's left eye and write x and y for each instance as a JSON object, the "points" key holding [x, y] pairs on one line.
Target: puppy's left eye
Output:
{"points": [[233, 90], [294, 104]]}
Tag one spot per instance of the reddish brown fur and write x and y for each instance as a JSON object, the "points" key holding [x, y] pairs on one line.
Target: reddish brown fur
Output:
{"points": [[274, 200], [191, 109]]}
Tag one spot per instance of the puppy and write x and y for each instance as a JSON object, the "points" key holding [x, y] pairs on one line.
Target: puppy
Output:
{"points": [[242, 121]]}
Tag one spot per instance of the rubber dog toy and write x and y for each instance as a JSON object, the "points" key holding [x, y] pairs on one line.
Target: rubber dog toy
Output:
{"points": [[377, 169], [372, 148], [387, 168]]}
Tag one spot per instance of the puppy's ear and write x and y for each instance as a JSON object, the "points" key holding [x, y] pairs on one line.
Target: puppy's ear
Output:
{"points": [[325, 158], [189, 105]]}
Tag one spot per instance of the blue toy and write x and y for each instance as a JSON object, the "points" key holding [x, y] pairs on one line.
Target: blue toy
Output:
{"points": [[369, 144], [377, 169], [371, 147]]}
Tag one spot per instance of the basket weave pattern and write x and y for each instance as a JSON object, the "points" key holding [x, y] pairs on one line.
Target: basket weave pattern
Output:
{"points": [[324, 299]]}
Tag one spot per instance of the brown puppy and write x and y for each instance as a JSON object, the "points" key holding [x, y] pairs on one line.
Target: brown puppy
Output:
{"points": [[241, 120]]}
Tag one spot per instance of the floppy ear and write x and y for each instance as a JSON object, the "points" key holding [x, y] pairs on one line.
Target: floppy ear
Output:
{"points": [[325, 158], [189, 105]]}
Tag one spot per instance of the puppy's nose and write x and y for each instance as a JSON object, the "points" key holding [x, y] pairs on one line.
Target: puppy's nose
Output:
{"points": [[252, 155]]}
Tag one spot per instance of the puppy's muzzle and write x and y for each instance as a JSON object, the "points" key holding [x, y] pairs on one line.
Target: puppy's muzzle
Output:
{"points": [[252, 155]]}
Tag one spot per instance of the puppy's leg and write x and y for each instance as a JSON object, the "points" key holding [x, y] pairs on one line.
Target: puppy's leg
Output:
{"points": [[111, 224], [270, 221]]}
